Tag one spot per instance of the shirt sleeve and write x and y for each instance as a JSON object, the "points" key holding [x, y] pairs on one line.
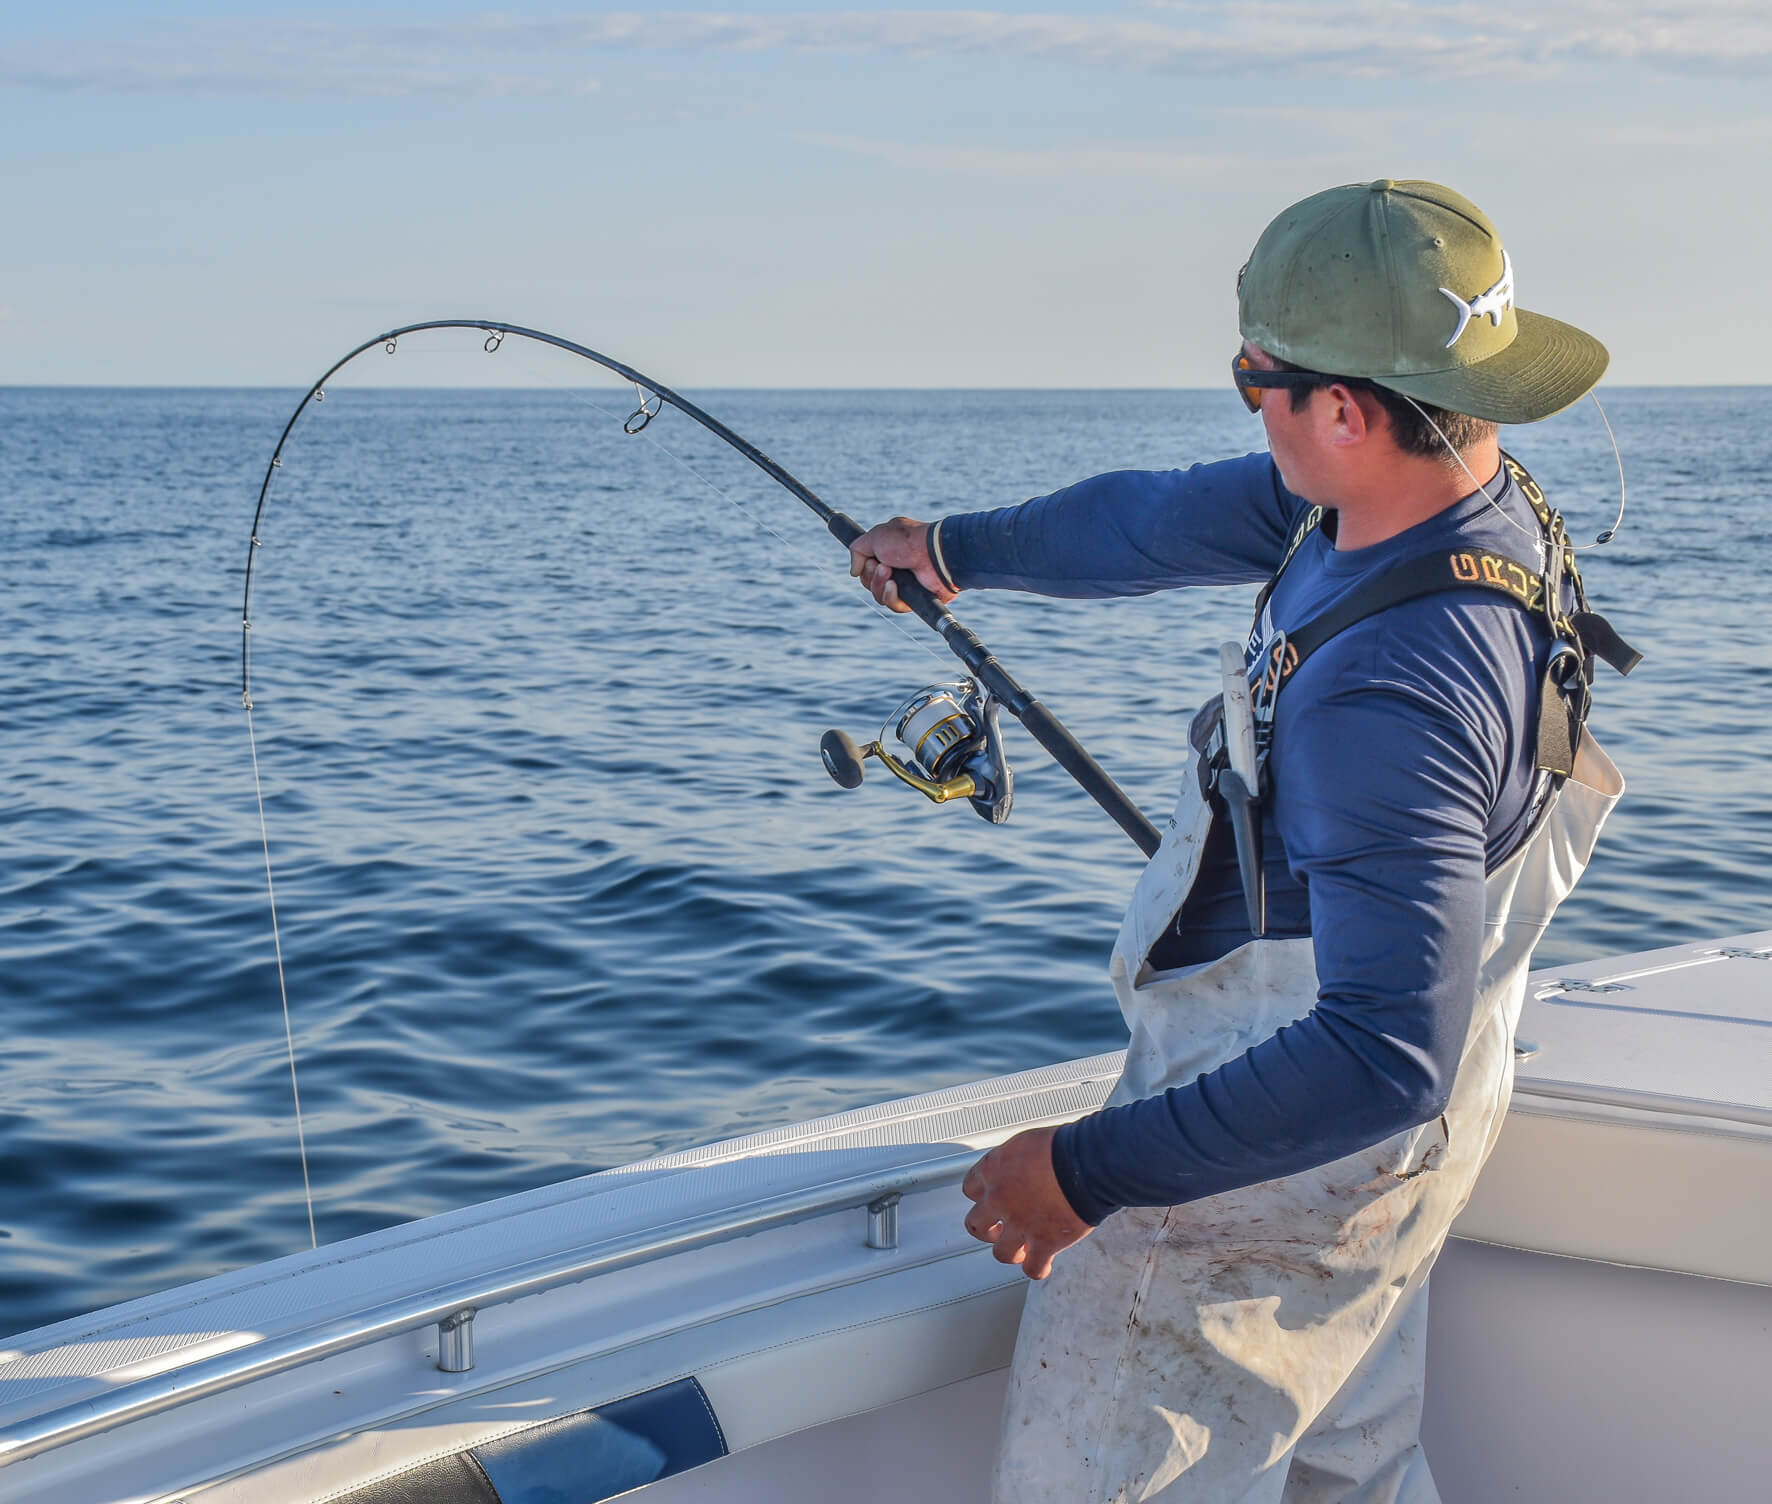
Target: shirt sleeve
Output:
{"points": [[1129, 532], [1392, 781]]}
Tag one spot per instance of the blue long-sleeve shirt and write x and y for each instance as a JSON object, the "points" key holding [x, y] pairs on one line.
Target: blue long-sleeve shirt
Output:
{"points": [[1403, 769]]}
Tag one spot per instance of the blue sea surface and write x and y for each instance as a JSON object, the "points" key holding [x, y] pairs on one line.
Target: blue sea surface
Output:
{"points": [[560, 879]]}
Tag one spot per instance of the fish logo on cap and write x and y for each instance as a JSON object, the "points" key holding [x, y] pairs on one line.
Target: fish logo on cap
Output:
{"points": [[1494, 301]]}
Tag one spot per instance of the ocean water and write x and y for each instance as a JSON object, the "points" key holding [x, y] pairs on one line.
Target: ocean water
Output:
{"points": [[561, 881]]}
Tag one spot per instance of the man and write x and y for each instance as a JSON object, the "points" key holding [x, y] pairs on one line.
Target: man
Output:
{"points": [[1321, 1048]]}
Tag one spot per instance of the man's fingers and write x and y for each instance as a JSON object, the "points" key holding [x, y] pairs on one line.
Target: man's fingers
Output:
{"points": [[878, 579], [984, 1225], [901, 543], [1009, 1247], [1008, 1250], [983, 1221]]}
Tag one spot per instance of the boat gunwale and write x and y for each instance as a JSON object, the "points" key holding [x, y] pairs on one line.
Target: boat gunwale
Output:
{"points": [[75, 1421]]}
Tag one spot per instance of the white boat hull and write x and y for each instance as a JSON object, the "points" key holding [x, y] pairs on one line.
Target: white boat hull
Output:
{"points": [[1601, 1322]]}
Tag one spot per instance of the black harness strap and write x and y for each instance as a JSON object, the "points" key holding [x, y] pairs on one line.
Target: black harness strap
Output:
{"points": [[1307, 524], [1601, 640], [1579, 636], [1424, 575], [1428, 574]]}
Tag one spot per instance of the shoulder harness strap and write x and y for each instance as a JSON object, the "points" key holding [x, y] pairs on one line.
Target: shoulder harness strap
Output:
{"points": [[1308, 523], [1580, 635]]}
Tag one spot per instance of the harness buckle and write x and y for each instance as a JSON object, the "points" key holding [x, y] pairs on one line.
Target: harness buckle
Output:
{"points": [[1229, 766]]}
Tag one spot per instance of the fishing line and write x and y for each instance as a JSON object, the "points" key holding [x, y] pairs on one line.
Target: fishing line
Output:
{"points": [[301, 1139], [264, 835]]}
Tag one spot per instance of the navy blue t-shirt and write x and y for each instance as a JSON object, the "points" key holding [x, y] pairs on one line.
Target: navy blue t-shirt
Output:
{"points": [[1403, 769]]}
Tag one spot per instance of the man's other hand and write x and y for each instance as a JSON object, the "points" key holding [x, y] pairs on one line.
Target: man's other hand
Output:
{"points": [[902, 543], [1019, 1209]]}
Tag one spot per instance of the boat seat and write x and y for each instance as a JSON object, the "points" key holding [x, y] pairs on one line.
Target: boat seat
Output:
{"points": [[588, 1457]]}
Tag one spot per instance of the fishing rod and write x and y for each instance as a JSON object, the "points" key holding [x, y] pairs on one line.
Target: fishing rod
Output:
{"points": [[949, 732]]}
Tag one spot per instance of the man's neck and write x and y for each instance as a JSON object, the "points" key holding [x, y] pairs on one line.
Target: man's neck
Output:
{"points": [[1407, 489]]}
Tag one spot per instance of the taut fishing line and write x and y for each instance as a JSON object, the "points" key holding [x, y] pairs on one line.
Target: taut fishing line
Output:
{"points": [[282, 988], [950, 732]]}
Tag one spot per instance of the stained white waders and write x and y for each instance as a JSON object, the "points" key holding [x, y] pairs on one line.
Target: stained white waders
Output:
{"points": [[1267, 1344]]}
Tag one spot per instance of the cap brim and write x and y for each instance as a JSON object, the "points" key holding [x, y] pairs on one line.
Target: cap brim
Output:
{"points": [[1549, 365]]}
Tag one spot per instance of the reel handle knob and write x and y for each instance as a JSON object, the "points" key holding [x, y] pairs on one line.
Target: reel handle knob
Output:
{"points": [[842, 758]]}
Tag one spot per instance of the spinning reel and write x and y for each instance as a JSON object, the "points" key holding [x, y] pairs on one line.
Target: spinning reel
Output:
{"points": [[953, 749]]}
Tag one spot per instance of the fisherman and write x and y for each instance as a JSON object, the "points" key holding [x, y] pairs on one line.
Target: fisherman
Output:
{"points": [[1319, 1058]]}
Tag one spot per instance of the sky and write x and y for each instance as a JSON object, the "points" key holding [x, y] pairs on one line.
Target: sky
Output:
{"points": [[808, 196]]}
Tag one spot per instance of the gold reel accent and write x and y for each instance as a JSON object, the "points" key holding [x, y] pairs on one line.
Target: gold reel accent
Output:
{"points": [[962, 787]]}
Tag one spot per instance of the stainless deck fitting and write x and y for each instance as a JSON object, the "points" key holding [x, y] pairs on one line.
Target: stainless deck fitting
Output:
{"points": [[455, 1341], [883, 1221]]}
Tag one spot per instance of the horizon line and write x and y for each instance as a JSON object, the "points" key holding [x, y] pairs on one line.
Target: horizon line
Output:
{"points": [[272, 386]]}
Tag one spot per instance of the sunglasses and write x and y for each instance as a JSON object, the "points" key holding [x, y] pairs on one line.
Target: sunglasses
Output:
{"points": [[1251, 381]]}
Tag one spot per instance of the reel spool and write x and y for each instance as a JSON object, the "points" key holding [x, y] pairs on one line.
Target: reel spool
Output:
{"points": [[953, 749]]}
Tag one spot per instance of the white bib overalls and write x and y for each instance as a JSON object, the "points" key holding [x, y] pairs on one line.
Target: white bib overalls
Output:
{"points": [[1267, 1344]]}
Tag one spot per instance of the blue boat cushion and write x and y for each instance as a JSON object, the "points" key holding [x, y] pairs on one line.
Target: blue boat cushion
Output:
{"points": [[578, 1459], [599, 1453]]}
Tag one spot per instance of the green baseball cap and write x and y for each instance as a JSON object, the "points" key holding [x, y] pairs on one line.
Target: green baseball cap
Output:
{"points": [[1407, 284]]}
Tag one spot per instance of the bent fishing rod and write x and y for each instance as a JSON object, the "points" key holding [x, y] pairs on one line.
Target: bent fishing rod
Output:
{"points": [[951, 744]]}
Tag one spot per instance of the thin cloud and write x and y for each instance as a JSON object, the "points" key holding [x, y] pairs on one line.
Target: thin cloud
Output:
{"points": [[202, 60], [496, 55], [1056, 161], [1723, 135], [1725, 33]]}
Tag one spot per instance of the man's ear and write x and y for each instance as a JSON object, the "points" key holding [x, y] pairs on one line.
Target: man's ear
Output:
{"points": [[1349, 420]]}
